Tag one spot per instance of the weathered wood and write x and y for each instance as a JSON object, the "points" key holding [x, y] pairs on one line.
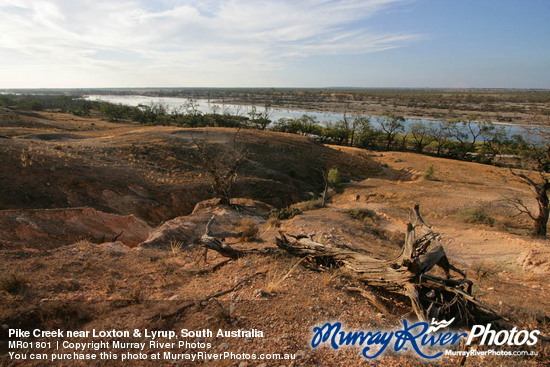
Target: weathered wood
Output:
{"points": [[412, 292], [372, 298], [222, 248], [405, 274], [209, 232], [210, 241]]}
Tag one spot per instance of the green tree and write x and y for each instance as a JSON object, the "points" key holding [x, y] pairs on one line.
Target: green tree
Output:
{"points": [[334, 178], [391, 126], [421, 135], [260, 120], [113, 112], [441, 135]]}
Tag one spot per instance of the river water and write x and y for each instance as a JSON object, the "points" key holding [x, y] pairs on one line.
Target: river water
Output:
{"points": [[206, 106]]}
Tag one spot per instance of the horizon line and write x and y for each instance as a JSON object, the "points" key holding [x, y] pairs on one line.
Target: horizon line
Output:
{"points": [[280, 88]]}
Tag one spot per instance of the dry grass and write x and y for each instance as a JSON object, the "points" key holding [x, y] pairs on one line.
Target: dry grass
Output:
{"points": [[63, 314], [273, 222], [327, 277], [175, 247], [249, 229], [83, 245], [276, 276], [483, 271]]}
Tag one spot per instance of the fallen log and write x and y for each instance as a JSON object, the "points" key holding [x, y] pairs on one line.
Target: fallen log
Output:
{"points": [[210, 241], [216, 242], [406, 274]]}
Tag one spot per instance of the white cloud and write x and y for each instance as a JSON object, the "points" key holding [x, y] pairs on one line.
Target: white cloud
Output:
{"points": [[170, 38]]}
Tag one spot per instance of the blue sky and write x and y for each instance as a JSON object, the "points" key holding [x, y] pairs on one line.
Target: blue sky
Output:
{"points": [[260, 43]]}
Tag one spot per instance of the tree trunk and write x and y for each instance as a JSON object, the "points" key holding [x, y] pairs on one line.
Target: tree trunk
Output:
{"points": [[541, 222], [541, 194]]}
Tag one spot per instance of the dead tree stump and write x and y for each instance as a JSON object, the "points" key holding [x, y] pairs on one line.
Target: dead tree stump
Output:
{"points": [[406, 274]]}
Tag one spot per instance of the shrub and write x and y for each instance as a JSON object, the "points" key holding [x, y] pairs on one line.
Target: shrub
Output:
{"points": [[311, 205], [135, 295], [476, 214], [362, 214], [12, 283], [285, 213], [249, 229], [273, 222], [484, 269], [223, 316], [429, 174], [334, 178]]}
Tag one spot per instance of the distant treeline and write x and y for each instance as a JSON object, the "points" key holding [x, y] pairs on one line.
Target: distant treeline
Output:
{"points": [[465, 139], [40, 102], [484, 100]]}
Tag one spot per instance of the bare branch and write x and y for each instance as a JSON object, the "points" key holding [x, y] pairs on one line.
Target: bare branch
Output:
{"points": [[525, 179], [520, 206], [180, 311]]}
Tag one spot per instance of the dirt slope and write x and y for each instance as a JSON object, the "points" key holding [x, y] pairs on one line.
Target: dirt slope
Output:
{"points": [[149, 172]]}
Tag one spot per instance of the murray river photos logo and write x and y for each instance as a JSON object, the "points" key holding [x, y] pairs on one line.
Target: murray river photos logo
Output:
{"points": [[418, 337]]}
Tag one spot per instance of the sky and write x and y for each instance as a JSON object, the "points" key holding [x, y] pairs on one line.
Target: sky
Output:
{"points": [[277, 43]]}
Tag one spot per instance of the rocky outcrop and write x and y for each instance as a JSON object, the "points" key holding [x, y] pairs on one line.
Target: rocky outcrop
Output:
{"points": [[186, 230], [189, 229], [114, 248], [50, 228], [535, 261]]}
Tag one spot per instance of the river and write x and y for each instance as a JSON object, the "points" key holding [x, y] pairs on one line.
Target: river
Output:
{"points": [[207, 106]]}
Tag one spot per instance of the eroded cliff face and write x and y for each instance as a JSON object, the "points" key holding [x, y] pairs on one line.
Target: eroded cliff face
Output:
{"points": [[50, 228]]}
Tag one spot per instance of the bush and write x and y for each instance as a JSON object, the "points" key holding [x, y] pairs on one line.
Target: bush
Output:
{"points": [[476, 214], [249, 229], [334, 178], [273, 222], [362, 214], [285, 213], [310, 205], [429, 174], [12, 283]]}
